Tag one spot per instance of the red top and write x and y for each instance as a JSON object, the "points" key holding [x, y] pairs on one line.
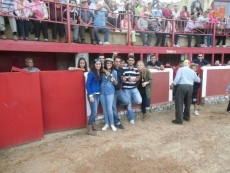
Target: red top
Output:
{"points": [[184, 15], [166, 12]]}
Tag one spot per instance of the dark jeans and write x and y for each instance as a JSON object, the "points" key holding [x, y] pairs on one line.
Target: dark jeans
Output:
{"points": [[183, 97], [23, 24], [40, 26], [160, 38], [176, 38], [57, 27], [219, 38], [228, 108], [114, 22], [150, 36], [82, 32], [145, 101], [197, 37]]}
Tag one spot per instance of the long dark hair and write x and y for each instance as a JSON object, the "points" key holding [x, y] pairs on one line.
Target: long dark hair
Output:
{"points": [[105, 67], [185, 8], [94, 70], [78, 64]]}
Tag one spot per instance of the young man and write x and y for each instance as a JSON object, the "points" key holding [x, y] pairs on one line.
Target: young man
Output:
{"points": [[30, 65], [196, 86], [130, 79], [200, 61], [154, 64]]}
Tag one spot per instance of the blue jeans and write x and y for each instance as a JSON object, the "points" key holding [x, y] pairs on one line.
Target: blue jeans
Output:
{"points": [[107, 104], [120, 96], [209, 40], [93, 107], [105, 31], [23, 24], [135, 98]]}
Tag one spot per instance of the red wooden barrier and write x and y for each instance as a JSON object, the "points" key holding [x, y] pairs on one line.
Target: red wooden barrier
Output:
{"points": [[20, 109], [63, 100]]}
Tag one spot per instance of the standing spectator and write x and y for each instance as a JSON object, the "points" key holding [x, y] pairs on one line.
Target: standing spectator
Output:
{"points": [[191, 27], [144, 10], [107, 93], [217, 63], [144, 87], [200, 61], [30, 65], [56, 15], [150, 7], [203, 20], [184, 15], [220, 33], [169, 28], [157, 11], [119, 95], [185, 77], [176, 12], [167, 11], [22, 11], [73, 21], [196, 12], [125, 23], [39, 11], [7, 8], [210, 27], [138, 8], [197, 4], [99, 22], [227, 90], [154, 63], [130, 79], [121, 6], [93, 91], [86, 19], [196, 86], [113, 15], [142, 24], [129, 9]]}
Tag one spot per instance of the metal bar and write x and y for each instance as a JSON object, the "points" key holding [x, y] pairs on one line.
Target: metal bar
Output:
{"points": [[68, 23]]}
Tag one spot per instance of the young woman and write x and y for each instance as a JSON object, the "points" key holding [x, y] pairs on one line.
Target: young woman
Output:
{"points": [[184, 15], [113, 16], [81, 65], [93, 91], [169, 28], [196, 12], [144, 87], [107, 93], [22, 11], [125, 23]]}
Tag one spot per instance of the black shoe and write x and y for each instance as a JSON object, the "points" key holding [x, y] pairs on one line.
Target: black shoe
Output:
{"points": [[176, 122], [83, 42], [76, 41], [120, 126], [186, 119], [93, 42]]}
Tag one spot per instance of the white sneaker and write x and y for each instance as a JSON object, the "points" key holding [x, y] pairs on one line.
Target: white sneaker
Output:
{"points": [[204, 45], [177, 45], [224, 45], [105, 127], [131, 121], [113, 128], [217, 46], [100, 42], [210, 46], [196, 113], [106, 43], [117, 31]]}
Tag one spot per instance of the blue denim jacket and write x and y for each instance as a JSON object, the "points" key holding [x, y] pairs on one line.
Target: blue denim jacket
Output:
{"points": [[107, 86]]}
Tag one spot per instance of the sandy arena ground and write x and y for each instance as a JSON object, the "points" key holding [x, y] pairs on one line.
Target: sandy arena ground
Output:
{"points": [[156, 146]]}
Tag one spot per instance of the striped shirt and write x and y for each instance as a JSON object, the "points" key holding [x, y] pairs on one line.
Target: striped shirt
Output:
{"points": [[7, 5], [130, 73]]}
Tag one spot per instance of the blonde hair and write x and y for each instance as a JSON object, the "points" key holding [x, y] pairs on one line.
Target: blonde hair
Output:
{"points": [[144, 69]]}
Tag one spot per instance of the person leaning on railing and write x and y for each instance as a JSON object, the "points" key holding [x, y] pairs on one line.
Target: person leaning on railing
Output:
{"points": [[184, 15], [142, 25], [7, 8], [22, 11], [39, 12], [86, 19], [220, 32], [169, 28], [56, 15], [203, 19], [125, 23], [113, 15], [73, 20]]}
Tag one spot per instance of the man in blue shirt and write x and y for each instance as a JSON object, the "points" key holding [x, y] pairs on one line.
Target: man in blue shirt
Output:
{"points": [[200, 61], [185, 79], [100, 23]]}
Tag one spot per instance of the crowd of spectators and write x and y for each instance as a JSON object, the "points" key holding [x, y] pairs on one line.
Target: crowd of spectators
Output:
{"points": [[108, 16]]}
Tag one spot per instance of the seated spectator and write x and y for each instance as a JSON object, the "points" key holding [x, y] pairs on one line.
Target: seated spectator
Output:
{"points": [[217, 63], [22, 11], [113, 16], [73, 21], [220, 32], [154, 64], [200, 61], [39, 11], [144, 10], [184, 15], [56, 15], [138, 8], [129, 9], [99, 22], [7, 8], [169, 28], [121, 6], [176, 12], [142, 25], [228, 63], [191, 27], [30, 65], [157, 11], [124, 26], [209, 27], [81, 65], [167, 11], [86, 19], [197, 4], [202, 21], [150, 7], [196, 12]]}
